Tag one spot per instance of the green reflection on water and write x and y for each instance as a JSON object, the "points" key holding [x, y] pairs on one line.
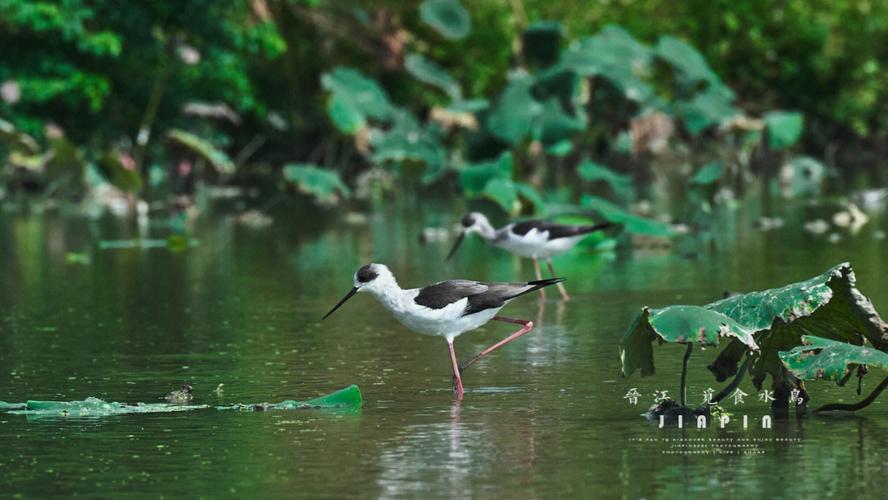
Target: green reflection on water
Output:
{"points": [[544, 416]]}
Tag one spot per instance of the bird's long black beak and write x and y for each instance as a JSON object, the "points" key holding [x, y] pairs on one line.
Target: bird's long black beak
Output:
{"points": [[459, 240], [349, 295]]}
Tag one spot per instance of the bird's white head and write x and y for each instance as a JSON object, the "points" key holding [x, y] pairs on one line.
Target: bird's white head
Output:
{"points": [[374, 278], [473, 222]]}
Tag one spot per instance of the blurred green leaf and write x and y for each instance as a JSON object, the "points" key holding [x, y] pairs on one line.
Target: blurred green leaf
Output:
{"points": [[621, 184], [709, 108], [503, 192], [687, 61], [122, 177], [428, 71], [541, 43], [364, 92], [474, 178], [203, 149], [555, 125], [409, 141], [631, 222], [325, 185], [708, 173], [513, 115], [448, 17], [784, 128], [345, 115]]}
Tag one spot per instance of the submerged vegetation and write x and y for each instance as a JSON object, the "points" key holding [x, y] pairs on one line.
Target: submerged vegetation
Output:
{"points": [[348, 398], [822, 328]]}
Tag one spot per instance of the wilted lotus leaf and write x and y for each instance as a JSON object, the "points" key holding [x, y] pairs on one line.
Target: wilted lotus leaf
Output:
{"points": [[826, 359], [325, 185], [828, 306]]}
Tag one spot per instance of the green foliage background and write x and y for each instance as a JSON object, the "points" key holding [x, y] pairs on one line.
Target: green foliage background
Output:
{"points": [[108, 73]]}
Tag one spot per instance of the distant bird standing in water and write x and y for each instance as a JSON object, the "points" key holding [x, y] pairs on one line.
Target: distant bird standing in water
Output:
{"points": [[531, 239], [445, 309]]}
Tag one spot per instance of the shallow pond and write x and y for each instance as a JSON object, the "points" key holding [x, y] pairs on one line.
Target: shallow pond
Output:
{"points": [[544, 416]]}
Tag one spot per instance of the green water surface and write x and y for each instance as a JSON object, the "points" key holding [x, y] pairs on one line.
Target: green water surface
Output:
{"points": [[544, 417]]}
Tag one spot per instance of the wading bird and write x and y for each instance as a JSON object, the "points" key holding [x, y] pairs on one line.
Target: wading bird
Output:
{"points": [[445, 309], [531, 239]]}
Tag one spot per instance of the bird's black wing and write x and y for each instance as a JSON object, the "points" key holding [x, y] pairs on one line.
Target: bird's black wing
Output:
{"points": [[557, 230], [497, 294], [444, 293]]}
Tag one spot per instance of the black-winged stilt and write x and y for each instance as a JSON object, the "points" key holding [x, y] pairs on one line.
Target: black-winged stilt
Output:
{"points": [[531, 239], [445, 309]]}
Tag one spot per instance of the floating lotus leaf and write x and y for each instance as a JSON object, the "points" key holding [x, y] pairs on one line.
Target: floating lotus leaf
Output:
{"points": [[820, 358], [428, 71], [680, 324], [325, 185], [447, 17], [203, 149], [633, 223], [515, 111], [784, 128], [348, 398]]}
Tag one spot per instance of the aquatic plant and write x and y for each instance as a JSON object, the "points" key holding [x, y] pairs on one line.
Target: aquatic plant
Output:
{"points": [[782, 333]]}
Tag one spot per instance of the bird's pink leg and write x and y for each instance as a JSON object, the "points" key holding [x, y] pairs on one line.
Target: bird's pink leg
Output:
{"points": [[539, 274], [457, 380], [528, 325], [561, 288]]}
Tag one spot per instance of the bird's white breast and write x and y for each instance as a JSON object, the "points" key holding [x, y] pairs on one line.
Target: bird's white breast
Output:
{"points": [[536, 244]]}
